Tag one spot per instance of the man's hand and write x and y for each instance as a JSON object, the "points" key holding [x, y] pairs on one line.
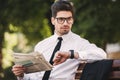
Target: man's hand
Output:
{"points": [[18, 70], [60, 57]]}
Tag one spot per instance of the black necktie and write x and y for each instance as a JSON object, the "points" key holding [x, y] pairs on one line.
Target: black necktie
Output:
{"points": [[57, 47]]}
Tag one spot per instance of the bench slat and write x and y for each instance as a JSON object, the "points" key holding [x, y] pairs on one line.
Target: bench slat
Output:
{"points": [[116, 63], [115, 75]]}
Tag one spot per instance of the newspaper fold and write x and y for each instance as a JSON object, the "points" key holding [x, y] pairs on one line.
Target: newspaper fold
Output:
{"points": [[34, 62]]}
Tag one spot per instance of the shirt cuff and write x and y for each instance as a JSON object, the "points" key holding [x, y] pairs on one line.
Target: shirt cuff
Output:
{"points": [[82, 55]]}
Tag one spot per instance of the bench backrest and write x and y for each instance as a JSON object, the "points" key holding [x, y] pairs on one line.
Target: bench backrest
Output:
{"points": [[114, 75]]}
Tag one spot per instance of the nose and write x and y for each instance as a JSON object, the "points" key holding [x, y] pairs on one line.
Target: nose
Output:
{"points": [[65, 22]]}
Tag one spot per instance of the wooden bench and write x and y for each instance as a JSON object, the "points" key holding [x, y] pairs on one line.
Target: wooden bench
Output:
{"points": [[114, 74]]}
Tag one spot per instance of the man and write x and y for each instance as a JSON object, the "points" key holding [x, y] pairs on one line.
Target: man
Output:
{"points": [[73, 47]]}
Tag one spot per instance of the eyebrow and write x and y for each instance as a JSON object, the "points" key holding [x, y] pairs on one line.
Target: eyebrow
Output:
{"points": [[64, 17]]}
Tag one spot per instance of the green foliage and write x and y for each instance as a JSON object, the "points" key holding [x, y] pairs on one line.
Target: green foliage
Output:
{"points": [[27, 17], [8, 75], [98, 20]]}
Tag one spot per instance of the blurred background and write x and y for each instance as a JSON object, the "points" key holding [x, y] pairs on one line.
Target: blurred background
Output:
{"points": [[23, 23]]}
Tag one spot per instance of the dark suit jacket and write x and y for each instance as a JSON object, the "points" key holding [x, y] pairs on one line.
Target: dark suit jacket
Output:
{"points": [[98, 70]]}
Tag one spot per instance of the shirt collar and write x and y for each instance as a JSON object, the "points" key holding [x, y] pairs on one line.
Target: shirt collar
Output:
{"points": [[65, 37]]}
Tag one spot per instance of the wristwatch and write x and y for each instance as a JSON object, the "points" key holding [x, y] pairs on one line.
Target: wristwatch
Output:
{"points": [[71, 54]]}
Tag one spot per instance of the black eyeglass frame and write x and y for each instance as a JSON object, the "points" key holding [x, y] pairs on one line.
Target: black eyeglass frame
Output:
{"points": [[61, 20]]}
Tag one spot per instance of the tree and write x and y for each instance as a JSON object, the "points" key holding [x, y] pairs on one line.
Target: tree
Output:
{"points": [[98, 20], [29, 17]]}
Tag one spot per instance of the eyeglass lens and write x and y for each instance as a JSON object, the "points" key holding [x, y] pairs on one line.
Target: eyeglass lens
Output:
{"points": [[61, 20]]}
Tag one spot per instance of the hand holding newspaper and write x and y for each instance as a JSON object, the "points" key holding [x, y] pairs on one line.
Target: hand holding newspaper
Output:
{"points": [[34, 61]]}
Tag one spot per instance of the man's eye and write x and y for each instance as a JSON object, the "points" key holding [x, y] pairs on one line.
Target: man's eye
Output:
{"points": [[69, 18]]}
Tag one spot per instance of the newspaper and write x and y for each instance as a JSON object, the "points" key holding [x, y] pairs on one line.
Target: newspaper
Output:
{"points": [[34, 61]]}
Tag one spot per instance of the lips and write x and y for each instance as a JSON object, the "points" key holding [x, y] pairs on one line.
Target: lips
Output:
{"points": [[65, 27]]}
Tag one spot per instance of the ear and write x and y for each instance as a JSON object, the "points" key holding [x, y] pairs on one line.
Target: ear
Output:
{"points": [[73, 21], [53, 20]]}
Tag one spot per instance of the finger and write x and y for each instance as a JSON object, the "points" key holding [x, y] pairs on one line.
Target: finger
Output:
{"points": [[59, 61], [18, 72], [56, 54], [17, 67], [57, 58], [56, 61], [62, 60]]}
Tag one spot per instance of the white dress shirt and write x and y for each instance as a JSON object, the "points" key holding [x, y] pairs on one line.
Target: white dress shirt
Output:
{"points": [[66, 70]]}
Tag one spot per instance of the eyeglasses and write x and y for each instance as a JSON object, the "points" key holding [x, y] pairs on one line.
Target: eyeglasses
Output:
{"points": [[61, 20]]}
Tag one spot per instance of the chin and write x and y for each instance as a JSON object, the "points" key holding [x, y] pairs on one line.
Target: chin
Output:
{"points": [[65, 32]]}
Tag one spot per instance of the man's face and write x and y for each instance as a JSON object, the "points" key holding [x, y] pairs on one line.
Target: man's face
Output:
{"points": [[62, 22]]}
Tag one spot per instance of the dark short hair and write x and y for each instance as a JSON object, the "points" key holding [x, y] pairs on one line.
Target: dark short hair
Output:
{"points": [[61, 5]]}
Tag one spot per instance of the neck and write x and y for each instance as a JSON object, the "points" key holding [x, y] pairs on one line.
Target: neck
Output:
{"points": [[60, 34]]}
